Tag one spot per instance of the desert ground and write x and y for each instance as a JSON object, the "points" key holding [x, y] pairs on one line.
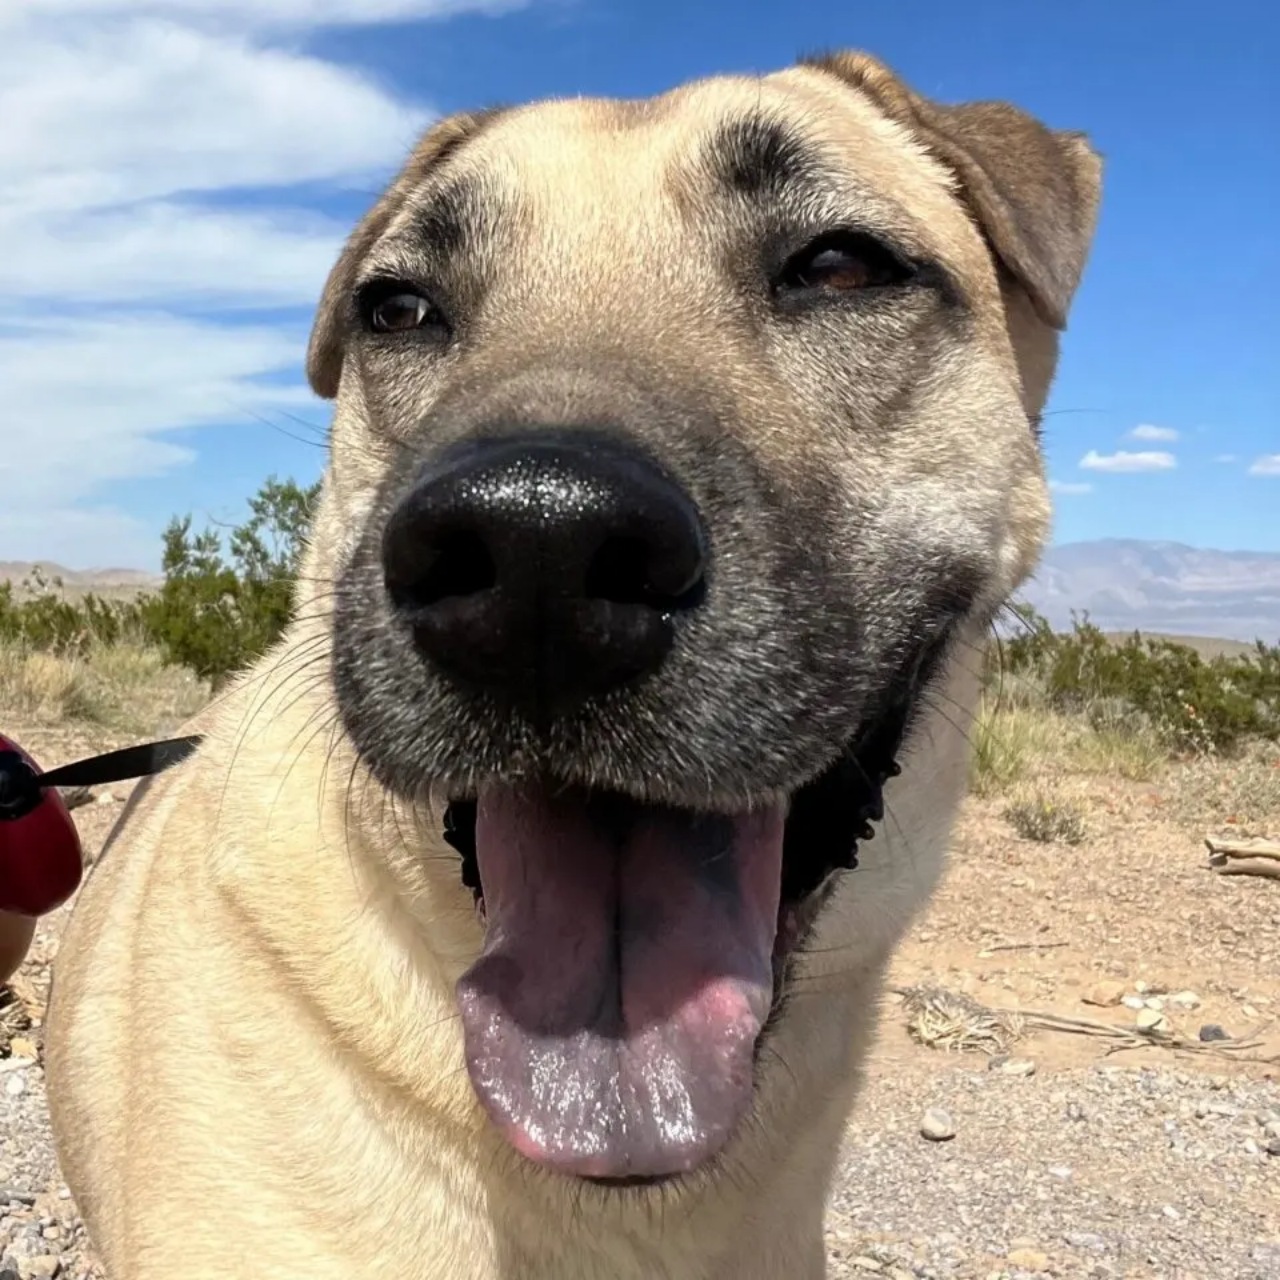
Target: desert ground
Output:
{"points": [[1016, 1121]]}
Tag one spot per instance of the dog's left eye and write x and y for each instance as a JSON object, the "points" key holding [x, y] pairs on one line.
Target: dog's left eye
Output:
{"points": [[843, 262]]}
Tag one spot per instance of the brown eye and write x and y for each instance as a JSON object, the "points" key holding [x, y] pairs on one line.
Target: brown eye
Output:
{"points": [[844, 263], [396, 310]]}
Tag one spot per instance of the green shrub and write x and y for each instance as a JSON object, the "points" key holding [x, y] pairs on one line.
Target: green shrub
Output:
{"points": [[216, 612], [1195, 705]]}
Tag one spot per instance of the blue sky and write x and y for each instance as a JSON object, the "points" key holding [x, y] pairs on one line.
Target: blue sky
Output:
{"points": [[180, 172]]}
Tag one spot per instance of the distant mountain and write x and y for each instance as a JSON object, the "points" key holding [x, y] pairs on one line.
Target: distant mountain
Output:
{"points": [[79, 581], [1122, 584], [1167, 587]]}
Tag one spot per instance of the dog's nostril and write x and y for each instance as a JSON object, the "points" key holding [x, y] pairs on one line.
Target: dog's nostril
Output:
{"points": [[629, 570], [458, 564]]}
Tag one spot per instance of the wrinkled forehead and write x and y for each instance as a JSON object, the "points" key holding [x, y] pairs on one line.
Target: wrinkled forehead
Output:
{"points": [[798, 142]]}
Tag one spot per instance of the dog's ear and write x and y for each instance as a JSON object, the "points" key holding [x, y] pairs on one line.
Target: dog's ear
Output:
{"points": [[1034, 191], [328, 333]]}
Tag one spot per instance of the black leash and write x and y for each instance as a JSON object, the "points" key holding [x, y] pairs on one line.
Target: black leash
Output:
{"points": [[20, 785]]}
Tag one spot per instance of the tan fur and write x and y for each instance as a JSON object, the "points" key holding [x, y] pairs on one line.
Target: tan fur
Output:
{"points": [[255, 1066]]}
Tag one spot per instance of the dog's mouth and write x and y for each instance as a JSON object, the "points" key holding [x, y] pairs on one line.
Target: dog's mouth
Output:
{"points": [[633, 953]]}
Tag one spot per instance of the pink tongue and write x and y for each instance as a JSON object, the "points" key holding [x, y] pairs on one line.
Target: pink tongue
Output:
{"points": [[611, 1022]]}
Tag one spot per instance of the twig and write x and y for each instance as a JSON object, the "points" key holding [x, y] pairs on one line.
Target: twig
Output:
{"points": [[1026, 946], [1241, 847], [1129, 1037]]}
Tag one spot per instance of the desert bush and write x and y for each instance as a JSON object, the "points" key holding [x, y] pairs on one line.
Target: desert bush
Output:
{"points": [[220, 609], [1046, 821], [221, 604], [1145, 686], [38, 616]]}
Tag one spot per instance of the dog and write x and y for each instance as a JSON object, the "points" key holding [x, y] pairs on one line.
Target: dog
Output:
{"points": [[525, 910]]}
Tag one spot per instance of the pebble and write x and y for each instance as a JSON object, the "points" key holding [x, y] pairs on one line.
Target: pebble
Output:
{"points": [[1151, 1020], [1018, 1067], [1134, 1002], [1212, 1031], [1185, 1000], [1086, 1240], [1028, 1259], [1105, 994], [16, 1085], [937, 1125], [1273, 1147]]}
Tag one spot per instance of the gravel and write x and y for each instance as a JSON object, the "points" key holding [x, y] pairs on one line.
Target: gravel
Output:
{"points": [[1095, 1172]]}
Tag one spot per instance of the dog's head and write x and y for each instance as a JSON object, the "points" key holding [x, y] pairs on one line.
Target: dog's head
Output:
{"points": [[678, 444]]}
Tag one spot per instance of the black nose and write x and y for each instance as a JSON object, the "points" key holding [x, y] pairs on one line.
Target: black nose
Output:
{"points": [[545, 571]]}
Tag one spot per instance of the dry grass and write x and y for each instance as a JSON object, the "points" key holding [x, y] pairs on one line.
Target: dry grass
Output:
{"points": [[1045, 820], [1019, 739], [955, 1022], [125, 687]]}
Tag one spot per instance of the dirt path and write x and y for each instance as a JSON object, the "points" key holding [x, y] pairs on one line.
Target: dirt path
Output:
{"points": [[1064, 1161]]}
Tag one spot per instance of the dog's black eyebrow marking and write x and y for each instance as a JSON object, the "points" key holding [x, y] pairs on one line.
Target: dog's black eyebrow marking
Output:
{"points": [[754, 155], [453, 218]]}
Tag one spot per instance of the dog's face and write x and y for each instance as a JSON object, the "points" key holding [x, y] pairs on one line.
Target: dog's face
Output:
{"points": [[678, 445]]}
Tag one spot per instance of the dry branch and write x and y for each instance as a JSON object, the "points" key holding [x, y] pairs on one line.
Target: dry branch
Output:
{"points": [[1247, 867], [1241, 847], [945, 1019]]}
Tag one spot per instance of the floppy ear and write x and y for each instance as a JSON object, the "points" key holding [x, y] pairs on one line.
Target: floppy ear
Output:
{"points": [[328, 333], [1034, 191]]}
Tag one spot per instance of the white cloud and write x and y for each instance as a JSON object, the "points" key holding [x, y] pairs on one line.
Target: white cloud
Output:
{"points": [[1267, 465], [1153, 434], [1124, 461], [132, 131], [1070, 486], [242, 14]]}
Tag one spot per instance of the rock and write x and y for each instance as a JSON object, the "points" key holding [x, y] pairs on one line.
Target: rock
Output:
{"points": [[1185, 1000], [1273, 1147], [1251, 1146], [1272, 1129], [1134, 1002], [1018, 1067], [1105, 994], [42, 1267], [1028, 1259], [1086, 1240], [937, 1125], [1212, 1031], [863, 1263], [16, 1085], [1151, 1020]]}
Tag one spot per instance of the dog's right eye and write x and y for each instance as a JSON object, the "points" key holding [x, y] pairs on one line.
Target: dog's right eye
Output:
{"points": [[388, 308]]}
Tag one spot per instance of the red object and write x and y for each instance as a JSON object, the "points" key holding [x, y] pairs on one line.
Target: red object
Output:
{"points": [[40, 856]]}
